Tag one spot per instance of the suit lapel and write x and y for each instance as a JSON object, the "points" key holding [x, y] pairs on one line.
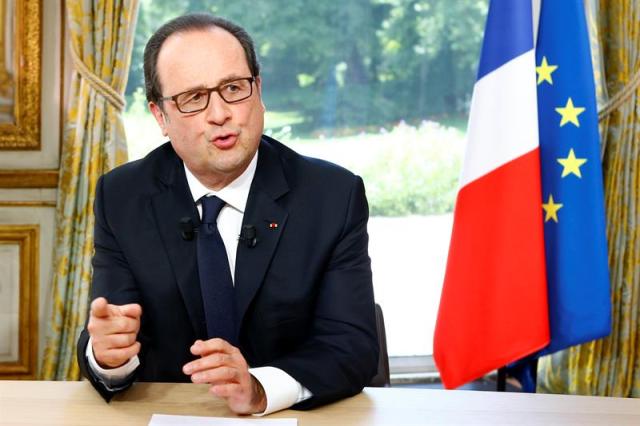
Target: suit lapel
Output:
{"points": [[170, 206], [269, 219]]}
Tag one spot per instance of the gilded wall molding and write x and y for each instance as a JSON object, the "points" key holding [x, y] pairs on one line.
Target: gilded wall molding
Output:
{"points": [[29, 203], [22, 132], [27, 239], [28, 178]]}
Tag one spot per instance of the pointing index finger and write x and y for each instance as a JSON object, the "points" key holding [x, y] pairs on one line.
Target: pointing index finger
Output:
{"points": [[132, 310], [100, 307]]}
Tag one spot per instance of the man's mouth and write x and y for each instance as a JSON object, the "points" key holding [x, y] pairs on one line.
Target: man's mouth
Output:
{"points": [[225, 141]]}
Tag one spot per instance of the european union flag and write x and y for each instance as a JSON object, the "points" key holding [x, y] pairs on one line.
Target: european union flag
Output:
{"points": [[572, 189]]}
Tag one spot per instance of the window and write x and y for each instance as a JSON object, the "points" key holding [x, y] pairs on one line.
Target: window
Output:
{"points": [[381, 87]]}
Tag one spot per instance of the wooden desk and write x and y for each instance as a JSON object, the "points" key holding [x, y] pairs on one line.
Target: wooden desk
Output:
{"points": [[76, 403]]}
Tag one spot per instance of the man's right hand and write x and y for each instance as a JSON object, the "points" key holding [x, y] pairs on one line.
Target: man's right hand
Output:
{"points": [[114, 331]]}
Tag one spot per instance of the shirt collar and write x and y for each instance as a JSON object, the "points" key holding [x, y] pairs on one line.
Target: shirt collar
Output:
{"points": [[235, 194]]}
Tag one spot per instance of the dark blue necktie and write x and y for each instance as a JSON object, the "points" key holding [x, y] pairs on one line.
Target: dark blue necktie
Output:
{"points": [[215, 277]]}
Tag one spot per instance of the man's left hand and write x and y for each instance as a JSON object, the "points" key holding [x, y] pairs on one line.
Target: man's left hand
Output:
{"points": [[223, 367]]}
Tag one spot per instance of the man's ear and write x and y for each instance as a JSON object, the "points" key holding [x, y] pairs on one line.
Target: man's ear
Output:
{"points": [[160, 117]]}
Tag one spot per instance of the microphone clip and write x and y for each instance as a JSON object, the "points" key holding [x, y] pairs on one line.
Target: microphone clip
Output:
{"points": [[248, 236], [187, 228]]}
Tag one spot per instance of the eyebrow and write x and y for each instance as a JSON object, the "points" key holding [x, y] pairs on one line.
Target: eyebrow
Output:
{"points": [[220, 83]]}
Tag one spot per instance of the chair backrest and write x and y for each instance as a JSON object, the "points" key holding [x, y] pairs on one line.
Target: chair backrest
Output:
{"points": [[382, 377]]}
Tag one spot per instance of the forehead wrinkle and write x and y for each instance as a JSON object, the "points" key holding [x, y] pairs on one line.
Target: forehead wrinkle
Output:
{"points": [[181, 57]]}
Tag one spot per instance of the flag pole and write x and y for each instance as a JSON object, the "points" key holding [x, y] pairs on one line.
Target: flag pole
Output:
{"points": [[501, 384]]}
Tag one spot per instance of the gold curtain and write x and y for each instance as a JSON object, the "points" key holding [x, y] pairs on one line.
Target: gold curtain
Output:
{"points": [[611, 366], [101, 34]]}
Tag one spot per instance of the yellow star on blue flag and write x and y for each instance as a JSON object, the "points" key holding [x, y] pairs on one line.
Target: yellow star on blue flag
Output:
{"points": [[571, 164], [544, 71], [569, 113]]}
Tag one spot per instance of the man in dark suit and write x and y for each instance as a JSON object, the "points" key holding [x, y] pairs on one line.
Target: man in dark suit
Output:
{"points": [[299, 328]]}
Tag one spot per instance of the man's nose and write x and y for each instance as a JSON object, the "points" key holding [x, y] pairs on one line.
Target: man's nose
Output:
{"points": [[218, 111]]}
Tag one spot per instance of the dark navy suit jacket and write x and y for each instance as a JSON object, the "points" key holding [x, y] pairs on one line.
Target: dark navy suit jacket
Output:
{"points": [[304, 292]]}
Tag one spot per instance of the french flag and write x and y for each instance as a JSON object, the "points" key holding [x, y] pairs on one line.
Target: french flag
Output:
{"points": [[493, 307]]}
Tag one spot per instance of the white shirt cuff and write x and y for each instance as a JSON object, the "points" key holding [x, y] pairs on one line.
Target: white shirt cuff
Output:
{"points": [[281, 390], [111, 377]]}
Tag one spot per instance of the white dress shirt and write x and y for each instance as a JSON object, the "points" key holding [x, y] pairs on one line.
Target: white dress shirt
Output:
{"points": [[281, 390]]}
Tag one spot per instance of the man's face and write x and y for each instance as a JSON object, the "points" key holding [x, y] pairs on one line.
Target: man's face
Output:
{"points": [[216, 144]]}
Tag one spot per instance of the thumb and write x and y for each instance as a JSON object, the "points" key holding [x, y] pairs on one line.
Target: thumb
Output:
{"points": [[100, 307], [132, 310]]}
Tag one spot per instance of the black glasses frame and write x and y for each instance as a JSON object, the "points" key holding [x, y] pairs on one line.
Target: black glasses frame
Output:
{"points": [[217, 89]]}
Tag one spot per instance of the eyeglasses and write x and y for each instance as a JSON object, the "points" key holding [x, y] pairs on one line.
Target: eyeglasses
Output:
{"points": [[198, 99]]}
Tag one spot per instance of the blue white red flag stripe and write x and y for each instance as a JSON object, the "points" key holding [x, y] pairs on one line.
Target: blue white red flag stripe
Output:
{"points": [[493, 308]]}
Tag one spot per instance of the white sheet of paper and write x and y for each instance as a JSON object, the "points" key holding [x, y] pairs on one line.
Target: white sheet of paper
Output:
{"points": [[169, 420]]}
